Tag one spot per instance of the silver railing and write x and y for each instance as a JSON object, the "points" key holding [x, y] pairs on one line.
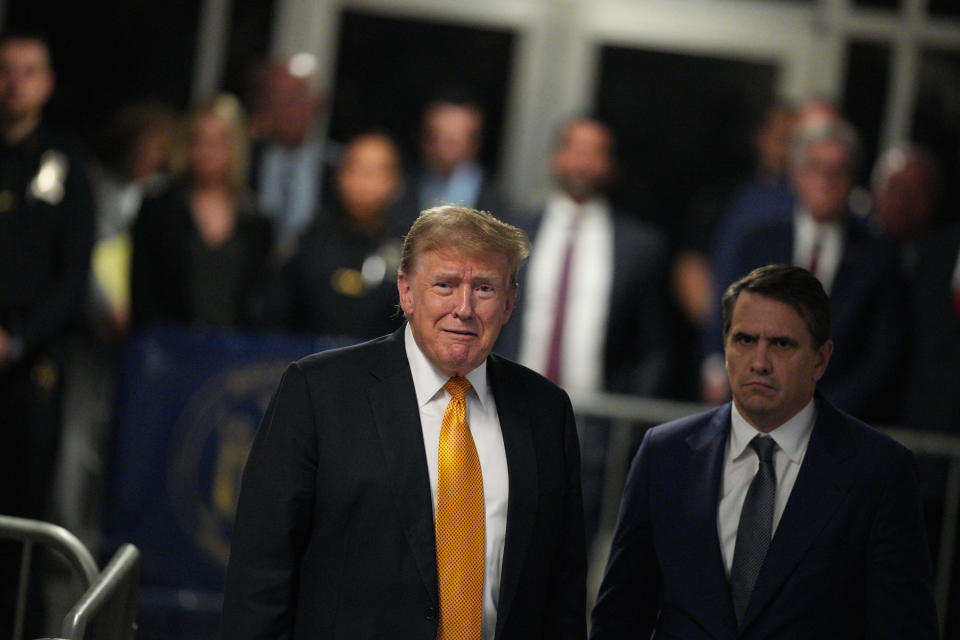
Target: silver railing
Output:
{"points": [[628, 415], [107, 608]]}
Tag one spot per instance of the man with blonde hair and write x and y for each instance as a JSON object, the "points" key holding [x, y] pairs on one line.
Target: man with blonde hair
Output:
{"points": [[417, 486]]}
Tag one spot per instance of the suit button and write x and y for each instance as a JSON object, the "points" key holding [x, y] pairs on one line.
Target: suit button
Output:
{"points": [[431, 614]]}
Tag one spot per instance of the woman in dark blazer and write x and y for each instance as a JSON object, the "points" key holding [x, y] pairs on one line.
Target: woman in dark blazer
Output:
{"points": [[201, 254]]}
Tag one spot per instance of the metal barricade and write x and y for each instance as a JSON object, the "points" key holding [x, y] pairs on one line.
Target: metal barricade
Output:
{"points": [[630, 414], [107, 608]]}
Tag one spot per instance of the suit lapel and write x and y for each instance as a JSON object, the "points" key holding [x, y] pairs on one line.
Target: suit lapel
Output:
{"points": [[708, 446], [523, 484], [394, 404], [823, 480]]}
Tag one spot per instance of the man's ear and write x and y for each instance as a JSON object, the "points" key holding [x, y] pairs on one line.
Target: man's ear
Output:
{"points": [[404, 286], [823, 359], [49, 86], [509, 304]]}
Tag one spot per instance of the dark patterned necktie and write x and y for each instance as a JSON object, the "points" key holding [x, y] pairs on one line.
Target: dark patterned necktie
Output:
{"points": [[755, 528]]}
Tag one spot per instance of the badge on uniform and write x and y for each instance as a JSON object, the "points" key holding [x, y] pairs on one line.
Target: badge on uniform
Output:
{"points": [[48, 184], [376, 266]]}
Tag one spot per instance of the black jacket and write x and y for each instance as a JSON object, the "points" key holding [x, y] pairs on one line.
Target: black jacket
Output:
{"points": [[334, 535], [46, 235]]}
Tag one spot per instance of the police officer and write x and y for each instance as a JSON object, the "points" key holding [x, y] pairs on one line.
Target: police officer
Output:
{"points": [[340, 282], [46, 231]]}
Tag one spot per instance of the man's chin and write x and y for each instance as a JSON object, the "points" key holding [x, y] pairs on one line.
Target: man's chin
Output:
{"points": [[458, 359], [580, 191], [757, 404]]}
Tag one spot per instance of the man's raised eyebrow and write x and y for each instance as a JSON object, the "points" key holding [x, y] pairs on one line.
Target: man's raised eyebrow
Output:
{"points": [[484, 278], [789, 340]]}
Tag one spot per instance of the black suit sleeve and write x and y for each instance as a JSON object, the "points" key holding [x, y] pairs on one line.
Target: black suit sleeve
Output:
{"points": [[566, 596], [274, 514], [899, 601], [629, 594]]}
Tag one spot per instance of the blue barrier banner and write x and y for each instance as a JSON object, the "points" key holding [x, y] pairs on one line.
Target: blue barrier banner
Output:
{"points": [[188, 404]]}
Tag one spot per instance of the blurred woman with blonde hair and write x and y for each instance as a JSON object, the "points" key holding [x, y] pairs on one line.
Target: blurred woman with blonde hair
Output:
{"points": [[201, 251]]}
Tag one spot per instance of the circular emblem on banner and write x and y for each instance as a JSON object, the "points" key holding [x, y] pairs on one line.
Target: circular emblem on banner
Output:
{"points": [[209, 447]]}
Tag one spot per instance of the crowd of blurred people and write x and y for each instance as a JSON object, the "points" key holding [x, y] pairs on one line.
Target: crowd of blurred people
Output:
{"points": [[241, 214]]}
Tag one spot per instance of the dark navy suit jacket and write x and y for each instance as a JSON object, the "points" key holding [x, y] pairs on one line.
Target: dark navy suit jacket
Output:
{"points": [[334, 535], [849, 558]]}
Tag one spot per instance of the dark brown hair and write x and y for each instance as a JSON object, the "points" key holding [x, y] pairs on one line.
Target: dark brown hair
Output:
{"points": [[788, 284]]}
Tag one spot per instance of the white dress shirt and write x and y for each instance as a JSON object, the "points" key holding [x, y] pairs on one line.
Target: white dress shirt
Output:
{"points": [[588, 291], [740, 465], [484, 423], [807, 234]]}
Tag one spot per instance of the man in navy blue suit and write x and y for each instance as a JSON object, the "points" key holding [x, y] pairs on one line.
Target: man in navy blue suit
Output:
{"points": [[775, 515]]}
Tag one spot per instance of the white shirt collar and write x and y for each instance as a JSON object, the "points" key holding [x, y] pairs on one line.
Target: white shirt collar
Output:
{"points": [[428, 381], [812, 229], [791, 437], [560, 204]]}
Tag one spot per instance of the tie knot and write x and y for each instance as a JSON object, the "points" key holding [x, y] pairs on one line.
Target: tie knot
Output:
{"points": [[764, 447], [458, 387]]}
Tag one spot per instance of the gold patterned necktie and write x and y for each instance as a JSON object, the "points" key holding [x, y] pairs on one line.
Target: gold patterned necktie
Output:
{"points": [[459, 522]]}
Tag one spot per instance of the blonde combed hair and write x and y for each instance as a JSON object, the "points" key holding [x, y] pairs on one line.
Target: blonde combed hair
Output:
{"points": [[465, 229]]}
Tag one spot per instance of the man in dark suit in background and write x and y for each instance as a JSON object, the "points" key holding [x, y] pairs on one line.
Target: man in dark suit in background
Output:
{"points": [[858, 269], [448, 169], [593, 314], [291, 157], [776, 515], [450, 143], [416, 486]]}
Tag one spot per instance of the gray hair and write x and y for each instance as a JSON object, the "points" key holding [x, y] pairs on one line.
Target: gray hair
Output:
{"points": [[818, 131]]}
